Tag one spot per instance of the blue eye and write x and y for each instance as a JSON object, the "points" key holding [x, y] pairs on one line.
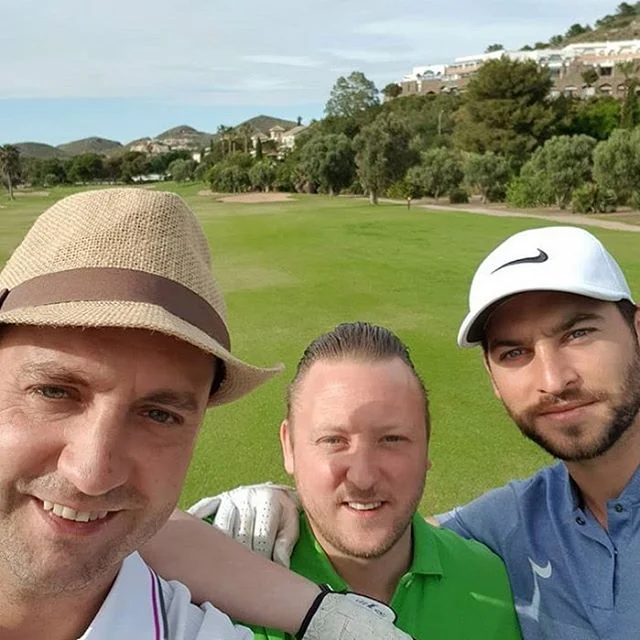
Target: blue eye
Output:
{"points": [[580, 333], [511, 354], [51, 392], [162, 417]]}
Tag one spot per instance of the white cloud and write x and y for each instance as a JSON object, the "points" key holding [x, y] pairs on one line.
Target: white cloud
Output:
{"points": [[371, 56], [201, 50], [289, 61]]}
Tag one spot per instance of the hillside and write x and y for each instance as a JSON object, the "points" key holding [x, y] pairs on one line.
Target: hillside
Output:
{"points": [[181, 131], [264, 123], [39, 150], [90, 145], [625, 31], [622, 25], [137, 141]]}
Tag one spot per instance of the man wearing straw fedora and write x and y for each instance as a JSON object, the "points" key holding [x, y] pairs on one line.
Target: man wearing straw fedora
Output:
{"points": [[114, 343]]}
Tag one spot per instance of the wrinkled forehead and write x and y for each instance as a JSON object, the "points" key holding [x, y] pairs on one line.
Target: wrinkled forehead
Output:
{"points": [[348, 393], [100, 349], [537, 309]]}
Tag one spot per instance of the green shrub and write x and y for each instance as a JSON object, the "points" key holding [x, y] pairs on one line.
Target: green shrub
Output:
{"points": [[590, 198], [458, 195], [488, 174], [525, 191], [496, 193], [403, 189]]}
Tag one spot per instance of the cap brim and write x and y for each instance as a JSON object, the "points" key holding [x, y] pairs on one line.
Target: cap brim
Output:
{"points": [[472, 328], [241, 378]]}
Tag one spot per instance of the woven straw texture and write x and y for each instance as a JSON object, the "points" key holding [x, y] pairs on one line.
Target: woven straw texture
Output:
{"points": [[149, 231]]}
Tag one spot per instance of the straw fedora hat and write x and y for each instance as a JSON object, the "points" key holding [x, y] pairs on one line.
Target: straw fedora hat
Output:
{"points": [[130, 258]]}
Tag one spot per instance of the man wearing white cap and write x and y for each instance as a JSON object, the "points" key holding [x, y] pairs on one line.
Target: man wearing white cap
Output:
{"points": [[560, 335], [114, 343]]}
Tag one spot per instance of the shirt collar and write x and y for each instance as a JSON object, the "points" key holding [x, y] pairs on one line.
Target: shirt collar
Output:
{"points": [[134, 608], [573, 498], [426, 559], [631, 493]]}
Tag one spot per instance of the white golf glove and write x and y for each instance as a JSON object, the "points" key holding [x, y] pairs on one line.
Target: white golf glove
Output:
{"points": [[263, 517], [349, 616]]}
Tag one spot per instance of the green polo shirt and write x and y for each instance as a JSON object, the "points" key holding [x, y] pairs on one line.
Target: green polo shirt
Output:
{"points": [[455, 589]]}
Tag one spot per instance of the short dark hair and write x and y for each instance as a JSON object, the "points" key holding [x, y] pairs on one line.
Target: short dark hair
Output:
{"points": [[358, 341], [628, 311]]}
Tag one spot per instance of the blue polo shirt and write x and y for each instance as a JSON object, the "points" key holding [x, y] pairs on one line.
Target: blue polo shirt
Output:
{"points": [[571, 579]]}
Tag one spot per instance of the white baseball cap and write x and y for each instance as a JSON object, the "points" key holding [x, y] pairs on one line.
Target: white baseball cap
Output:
{"points": [[565, 259]]}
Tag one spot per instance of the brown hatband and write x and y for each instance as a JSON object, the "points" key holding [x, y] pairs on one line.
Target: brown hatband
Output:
{"points": [[111, 284]]}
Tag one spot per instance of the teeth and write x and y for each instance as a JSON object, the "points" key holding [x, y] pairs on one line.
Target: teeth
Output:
{"points": [[364, 506], [67, 513]]}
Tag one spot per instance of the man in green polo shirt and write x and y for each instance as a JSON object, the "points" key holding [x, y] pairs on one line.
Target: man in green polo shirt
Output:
{"points": [[355, 439]]}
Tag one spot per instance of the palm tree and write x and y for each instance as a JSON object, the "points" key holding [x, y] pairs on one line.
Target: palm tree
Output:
{"points": [[10, 166], [627, 69], [629, 111], [224, 135], [590, 76], [245, 131]]}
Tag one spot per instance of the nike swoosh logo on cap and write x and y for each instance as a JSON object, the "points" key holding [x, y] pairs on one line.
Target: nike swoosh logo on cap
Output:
{"points": [[541, 257]]}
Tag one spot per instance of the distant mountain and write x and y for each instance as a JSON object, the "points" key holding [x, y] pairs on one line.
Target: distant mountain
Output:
{"points": [[137, 141], [181, 131], [180, 137], [185, 137], [90, 145], [263, 123], [39, 150]]}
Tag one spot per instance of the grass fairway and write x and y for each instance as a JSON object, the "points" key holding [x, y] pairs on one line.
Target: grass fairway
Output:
{"points": [[295, 269]]}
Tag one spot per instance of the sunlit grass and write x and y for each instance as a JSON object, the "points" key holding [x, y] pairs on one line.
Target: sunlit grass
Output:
{"points": [[292, 270]]}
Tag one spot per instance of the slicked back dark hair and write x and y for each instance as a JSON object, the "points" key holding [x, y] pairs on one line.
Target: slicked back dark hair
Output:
{"points": [[359, 342]]}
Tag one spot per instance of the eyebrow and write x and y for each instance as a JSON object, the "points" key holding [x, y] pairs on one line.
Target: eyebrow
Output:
{"points": [[332, 428], [184, 400], [54, 372], [561, 327], [573, 320]]}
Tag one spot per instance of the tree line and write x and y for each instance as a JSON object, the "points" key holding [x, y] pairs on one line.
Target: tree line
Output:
{"points": [[504, 138], [89, 168]]}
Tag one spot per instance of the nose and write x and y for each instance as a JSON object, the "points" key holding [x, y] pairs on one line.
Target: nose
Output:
{"points": [[94, 458], [362, 469], [555, 370]]}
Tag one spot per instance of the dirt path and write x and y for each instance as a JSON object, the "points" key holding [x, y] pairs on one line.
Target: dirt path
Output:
{"points": [[257, 197], [562, 218]]}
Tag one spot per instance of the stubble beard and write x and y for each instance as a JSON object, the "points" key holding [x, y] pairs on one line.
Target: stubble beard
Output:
{"points": [[622, 416], [345, 544], [25, 566]]}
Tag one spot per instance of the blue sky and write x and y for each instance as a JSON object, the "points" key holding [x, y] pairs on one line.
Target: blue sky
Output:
{"points": [[127, 69]]}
